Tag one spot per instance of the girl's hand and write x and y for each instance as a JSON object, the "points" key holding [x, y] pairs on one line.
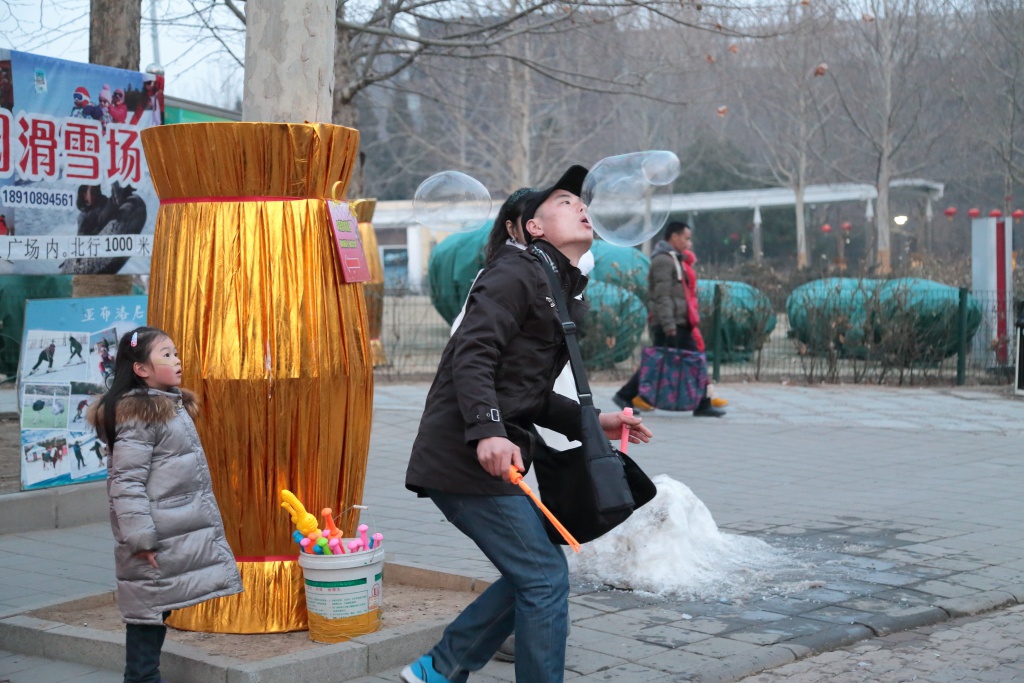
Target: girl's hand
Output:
{"points": [[496, 453], [148, 556], [612, 423]]}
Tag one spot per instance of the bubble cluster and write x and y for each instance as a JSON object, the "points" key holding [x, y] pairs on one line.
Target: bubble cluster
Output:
{"points": [[629, 195], [451, 201]]}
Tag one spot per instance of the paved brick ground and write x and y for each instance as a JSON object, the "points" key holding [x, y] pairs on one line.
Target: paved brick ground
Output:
{"points": [[888, 502], [989, 648]]}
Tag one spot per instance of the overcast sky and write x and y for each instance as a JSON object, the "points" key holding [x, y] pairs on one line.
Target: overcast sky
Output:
{"points": [[197, 67]]}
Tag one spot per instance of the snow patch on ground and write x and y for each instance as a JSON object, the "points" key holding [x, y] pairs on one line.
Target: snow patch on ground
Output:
{"points": [[672, 547]]}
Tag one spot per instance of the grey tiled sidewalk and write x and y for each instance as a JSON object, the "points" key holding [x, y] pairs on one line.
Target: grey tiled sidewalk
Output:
{"points": [[972, 649], [889, 501]]}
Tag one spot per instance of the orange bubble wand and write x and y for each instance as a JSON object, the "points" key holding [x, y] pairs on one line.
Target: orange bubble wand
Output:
{"points": [[516, 478], [332, 529]]}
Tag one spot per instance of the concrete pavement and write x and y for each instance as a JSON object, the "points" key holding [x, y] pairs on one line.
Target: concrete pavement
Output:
{"points": [[978, 649], [895, 507]]}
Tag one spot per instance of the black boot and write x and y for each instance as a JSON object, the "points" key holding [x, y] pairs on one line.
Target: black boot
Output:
{"points": [[705, 409]]}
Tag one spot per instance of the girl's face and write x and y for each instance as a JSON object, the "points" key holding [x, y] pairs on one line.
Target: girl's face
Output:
{"points": [[162, 370]]}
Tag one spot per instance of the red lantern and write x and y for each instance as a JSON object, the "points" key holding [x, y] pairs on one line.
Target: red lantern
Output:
{"points": [[974, 213], [995, 213], [847, 226], [826, 228], [950, 212], [1017, 214]]}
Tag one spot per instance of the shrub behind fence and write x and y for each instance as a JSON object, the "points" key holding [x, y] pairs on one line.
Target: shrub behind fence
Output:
{"points": [[902, 331]]}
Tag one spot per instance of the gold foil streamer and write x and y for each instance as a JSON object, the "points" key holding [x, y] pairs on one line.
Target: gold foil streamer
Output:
{"points": [[274, 601], [271, 339], [373, 290], [324, 630]]}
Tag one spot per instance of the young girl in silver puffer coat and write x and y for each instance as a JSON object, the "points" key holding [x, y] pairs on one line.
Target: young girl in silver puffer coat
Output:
{"points": [[171, 551]]}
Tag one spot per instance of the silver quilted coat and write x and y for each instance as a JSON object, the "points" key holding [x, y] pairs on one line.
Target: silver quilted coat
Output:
{"points": [[161, 499]]}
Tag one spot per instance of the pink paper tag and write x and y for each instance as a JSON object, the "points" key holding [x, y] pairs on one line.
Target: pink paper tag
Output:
{"points": [[345, 229]]}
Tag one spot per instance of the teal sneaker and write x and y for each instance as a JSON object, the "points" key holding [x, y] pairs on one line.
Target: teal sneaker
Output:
{"points": [[422, 671]]}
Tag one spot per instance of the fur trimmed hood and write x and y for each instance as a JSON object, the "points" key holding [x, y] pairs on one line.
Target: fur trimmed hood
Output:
{"points": [[148, 406]]}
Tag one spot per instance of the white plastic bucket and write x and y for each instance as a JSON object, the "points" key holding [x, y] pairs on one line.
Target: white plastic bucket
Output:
{"points": [[343, 593]]}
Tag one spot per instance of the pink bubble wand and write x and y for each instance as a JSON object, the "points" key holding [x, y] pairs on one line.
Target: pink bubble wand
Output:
{"points": [[624, 441]]}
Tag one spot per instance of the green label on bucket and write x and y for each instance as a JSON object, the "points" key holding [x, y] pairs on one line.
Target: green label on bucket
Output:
{"points": [[378, 577], [336, 584]]}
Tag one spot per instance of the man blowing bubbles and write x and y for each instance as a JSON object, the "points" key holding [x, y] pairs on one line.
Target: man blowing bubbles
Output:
{"points": [[493, 383]]}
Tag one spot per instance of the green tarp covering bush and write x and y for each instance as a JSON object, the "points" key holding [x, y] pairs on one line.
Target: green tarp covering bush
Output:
{"points": [[904, 322]]}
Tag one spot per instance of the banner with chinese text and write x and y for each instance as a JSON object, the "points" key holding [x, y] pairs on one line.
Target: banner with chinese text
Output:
{"points": [[67, 359], [75, 193]]}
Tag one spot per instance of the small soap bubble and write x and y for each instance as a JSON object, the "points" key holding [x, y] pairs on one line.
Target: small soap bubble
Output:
{"points": [[451, 201], [629, 195]]}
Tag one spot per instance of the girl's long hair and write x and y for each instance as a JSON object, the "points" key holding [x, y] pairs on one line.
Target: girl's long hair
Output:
{"points": [[511, 210], [125, 379]]}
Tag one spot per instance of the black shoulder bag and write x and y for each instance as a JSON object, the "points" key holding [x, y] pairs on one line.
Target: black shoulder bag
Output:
{"points": [[592, 488]]}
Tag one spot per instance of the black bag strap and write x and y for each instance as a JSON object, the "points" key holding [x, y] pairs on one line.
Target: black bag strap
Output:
{"points": [[547, 265]]}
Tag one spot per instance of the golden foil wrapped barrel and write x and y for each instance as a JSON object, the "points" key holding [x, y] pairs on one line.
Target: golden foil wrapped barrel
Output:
{"points": [[246, 279], [373, 290]]}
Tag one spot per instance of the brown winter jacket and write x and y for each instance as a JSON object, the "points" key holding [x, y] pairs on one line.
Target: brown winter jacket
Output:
{"points": [[161, 499], [668, 305]]}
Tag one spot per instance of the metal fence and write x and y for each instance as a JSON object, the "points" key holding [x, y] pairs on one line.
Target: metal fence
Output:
{"points": [[875, 335]]}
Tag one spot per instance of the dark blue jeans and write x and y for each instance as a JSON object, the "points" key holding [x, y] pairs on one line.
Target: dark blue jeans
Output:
{"points": [[143, 643], [531, 598]]}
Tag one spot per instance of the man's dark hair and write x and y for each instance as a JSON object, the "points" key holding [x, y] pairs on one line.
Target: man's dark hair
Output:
{"points": [[674, 228]]}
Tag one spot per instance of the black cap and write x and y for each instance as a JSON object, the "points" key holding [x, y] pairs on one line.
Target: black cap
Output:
{"points": [[571, 180]]}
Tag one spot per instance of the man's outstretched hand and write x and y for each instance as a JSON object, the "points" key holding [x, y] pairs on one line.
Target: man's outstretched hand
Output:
{"points": [[612, 423]]}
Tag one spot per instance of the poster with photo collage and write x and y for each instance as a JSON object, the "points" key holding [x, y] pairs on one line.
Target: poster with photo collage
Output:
{"points": [[67, 360]]}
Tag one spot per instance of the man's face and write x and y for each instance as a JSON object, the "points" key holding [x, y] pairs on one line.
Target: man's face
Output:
{"points": [[682, 241], [563, 221]]}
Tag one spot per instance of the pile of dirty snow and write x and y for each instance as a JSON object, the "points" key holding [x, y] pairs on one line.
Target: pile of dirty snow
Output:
{"points": [[672, 546]]}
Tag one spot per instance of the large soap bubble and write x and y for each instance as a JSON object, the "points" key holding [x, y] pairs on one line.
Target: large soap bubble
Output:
{"points": [[629, 195], [451, 201]]}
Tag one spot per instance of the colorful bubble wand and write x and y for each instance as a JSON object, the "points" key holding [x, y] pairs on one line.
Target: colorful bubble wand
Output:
{"points": [[624, 441], [303, 521], [331, 528], [517, 478]]}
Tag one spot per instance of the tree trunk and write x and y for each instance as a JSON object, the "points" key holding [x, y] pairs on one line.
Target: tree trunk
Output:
{"points": [[289, 60], [883, 259], [114, 28]]}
